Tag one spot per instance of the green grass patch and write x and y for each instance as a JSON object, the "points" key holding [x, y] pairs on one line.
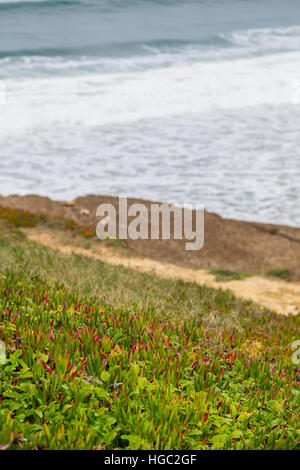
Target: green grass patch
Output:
{"points": [[19, 218], [280, 273], [223, 275], [101, 357]]}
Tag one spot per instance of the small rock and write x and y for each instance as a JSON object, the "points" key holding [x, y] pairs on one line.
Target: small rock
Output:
{"points": [[84, 212]]}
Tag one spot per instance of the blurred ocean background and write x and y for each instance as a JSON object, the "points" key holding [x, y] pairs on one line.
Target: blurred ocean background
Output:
{"points": [[183, 101]]}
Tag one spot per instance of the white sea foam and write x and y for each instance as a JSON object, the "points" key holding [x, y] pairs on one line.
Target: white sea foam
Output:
{"points": [[96, 99], [172, 124]]}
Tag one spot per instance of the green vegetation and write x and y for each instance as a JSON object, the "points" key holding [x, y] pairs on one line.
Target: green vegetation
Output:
{"points": [[19, 218], [223, 275], [281, 273], [101, 357]]}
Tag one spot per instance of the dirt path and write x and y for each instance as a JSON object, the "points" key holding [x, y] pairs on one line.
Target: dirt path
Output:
{"points": [[277, 295], [234, 245]]}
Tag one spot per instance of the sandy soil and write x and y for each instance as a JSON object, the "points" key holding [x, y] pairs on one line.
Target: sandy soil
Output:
{"points": [[280, 296]]}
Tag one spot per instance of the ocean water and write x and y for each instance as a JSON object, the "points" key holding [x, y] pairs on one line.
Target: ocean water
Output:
{"points": [[184, 101]]}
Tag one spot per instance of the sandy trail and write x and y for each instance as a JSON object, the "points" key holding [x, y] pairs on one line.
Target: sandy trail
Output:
{"points": [[280, 296]]}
